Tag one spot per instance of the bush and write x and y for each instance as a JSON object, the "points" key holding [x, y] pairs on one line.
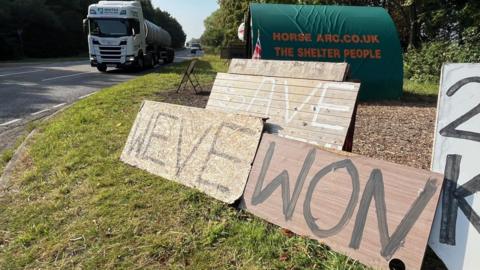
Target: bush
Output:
{"points": [[425, 64], [211, 50]]}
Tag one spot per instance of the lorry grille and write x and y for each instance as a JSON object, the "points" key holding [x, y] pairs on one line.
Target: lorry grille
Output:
{"points": [[111, 53]]}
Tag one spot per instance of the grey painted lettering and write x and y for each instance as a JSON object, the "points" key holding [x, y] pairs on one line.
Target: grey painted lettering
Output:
{"points": [[307, 211], [180, 164], [156, 135], [139, 137], [179, 146], [410, 219], [214, 152], [375, 189], [289, 203]]}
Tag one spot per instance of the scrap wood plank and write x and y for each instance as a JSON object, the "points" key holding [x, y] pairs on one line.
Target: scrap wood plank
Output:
{"points": [[210, 151], [374, 211], [290, 69], [318, 112], [455, 236]]}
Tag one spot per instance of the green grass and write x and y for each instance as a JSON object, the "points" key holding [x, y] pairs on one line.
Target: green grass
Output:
{"points": [[5, 157], [78, 206], [7, 154], [424, 91]]}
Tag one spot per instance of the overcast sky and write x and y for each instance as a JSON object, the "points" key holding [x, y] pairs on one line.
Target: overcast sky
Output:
{"points": [[189, 13]]}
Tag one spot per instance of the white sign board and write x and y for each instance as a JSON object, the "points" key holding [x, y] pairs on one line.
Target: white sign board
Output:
{"points": [[455, 236], [313, 111]]}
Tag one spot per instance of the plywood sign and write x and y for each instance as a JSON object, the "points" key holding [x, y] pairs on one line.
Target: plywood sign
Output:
{"points": [[317, 112], [290, 69], [456, 233], [376, 212], [210, 151]]}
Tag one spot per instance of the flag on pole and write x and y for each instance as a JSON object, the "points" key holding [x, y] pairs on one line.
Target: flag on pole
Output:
{"points": [[257, 54]]}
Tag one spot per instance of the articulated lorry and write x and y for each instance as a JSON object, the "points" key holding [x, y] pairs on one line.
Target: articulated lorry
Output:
{"points": [[119, 36]]}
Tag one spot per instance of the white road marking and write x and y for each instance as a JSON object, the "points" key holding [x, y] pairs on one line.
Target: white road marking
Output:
{"points": [[19, 73], [82, 97], [59, 105], [10, 122], [40, 112], [66, 76]]}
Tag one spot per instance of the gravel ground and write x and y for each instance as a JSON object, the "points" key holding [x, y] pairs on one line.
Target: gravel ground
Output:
{"points": [[400, 132], [187, 97]]}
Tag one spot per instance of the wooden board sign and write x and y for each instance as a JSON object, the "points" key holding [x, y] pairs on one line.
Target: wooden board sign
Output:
{"points": [[290, 69], [374, 211], [313, 111], [455, 235], [210, 151]]}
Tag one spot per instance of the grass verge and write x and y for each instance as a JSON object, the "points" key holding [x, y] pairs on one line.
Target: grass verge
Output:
{"points": [[420, 91], [78, 206], [5, 157]]}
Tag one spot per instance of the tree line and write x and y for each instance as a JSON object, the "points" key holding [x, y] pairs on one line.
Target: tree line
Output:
{"points": [[417, 21], [53, 28]]}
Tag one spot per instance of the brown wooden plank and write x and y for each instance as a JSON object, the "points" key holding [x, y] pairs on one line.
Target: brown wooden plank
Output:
{"points": [[318, 112], [325, 204], [207, 150], [290, 69]]}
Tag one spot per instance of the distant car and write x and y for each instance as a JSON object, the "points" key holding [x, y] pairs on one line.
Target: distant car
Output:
{"points": [[195, 47]]}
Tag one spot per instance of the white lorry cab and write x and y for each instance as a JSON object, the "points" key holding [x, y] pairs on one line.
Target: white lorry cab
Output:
{"points": [[119, 36]]}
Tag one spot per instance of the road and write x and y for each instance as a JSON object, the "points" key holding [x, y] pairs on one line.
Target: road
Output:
{"points": [[32, 91]]}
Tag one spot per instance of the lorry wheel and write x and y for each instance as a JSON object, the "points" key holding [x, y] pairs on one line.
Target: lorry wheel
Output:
{"points": [[140, 63], [102, 68], [170, 57], [151, 62]]}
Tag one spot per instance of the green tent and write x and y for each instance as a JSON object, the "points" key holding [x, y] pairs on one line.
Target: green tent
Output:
{"points": [[365, 37]]}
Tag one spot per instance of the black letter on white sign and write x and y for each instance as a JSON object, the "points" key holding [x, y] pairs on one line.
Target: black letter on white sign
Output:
{"points": [[454, 198], [451, 130]]}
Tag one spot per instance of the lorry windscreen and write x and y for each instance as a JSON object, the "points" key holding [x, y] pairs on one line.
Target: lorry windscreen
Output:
{"points": [[111, 27]]}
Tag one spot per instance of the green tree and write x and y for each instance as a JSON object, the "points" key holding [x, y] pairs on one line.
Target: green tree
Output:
{"points": [[214, 32], [171, 25]]}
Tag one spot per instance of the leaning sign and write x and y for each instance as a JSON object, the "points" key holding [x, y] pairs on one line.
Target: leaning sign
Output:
{"points": [[210, 151], [374, 211], [290, 69], [455, 235], [313, 111]]}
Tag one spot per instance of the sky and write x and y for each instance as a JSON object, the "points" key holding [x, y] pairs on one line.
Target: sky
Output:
{"points": [[189, 13]]}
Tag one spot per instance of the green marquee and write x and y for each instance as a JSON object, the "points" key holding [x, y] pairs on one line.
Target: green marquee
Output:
{"points": [[365, 37]]}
